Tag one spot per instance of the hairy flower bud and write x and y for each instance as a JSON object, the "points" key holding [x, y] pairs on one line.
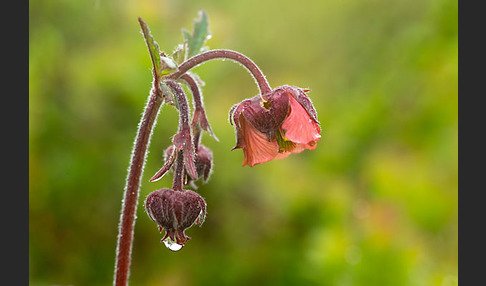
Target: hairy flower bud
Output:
{"points": [[204, 162], [274, 125], [175, 211]]}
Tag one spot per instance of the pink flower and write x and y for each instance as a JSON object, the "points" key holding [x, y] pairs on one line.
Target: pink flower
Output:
{"points": [[275, 125]]}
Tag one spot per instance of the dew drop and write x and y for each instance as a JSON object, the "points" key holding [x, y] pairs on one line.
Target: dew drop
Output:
{"points": [[171, 245]]}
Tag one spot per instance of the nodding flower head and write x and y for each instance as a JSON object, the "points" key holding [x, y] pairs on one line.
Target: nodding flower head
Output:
{"points": [[175, 211], [274, 125]]}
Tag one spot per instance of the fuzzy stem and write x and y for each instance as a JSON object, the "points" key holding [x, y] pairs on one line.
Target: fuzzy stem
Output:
{"points": [[182, 103], [183, 139], [179, 173], [130, 200], [196, 93], [199, 119], [198, 107], [225, 54]]}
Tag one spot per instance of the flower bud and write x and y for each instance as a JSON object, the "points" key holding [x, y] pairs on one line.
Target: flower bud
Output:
{"points": [[204, 162], [175, 211]]}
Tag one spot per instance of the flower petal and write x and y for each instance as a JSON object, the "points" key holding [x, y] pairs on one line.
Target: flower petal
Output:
{"points": [[297, 149], [299, 126], [257, 148], [282, 155]]}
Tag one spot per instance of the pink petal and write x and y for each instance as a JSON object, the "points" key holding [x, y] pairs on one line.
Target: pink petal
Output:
{"points": [[257, 149], [282, 155], [299, 126], [299, 147]]}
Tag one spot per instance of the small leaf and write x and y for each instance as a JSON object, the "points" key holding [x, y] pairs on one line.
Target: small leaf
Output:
{"points": [[167, 65], [179, 54], [152, 45], [187, 36], [199, 36], [168, 95]]}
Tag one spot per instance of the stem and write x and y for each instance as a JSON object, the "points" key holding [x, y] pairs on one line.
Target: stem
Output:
{"points": [[196, 93], [182, 102], [182, 139], [179, 173], [225, 54], [199, 119], [129, 203], [198, 107]]}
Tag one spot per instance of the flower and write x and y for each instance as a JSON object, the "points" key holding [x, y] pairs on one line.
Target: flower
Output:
{"points": [[275, 125], [175, 211]]}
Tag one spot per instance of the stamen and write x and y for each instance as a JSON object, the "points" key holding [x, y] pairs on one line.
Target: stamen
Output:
{"points": [[284, 144]]}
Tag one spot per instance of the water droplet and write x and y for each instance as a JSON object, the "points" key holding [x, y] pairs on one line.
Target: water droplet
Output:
{"points": [[172, 245]]}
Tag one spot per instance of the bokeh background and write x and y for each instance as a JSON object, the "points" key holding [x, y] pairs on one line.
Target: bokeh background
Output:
{"points": [[374, 204]]}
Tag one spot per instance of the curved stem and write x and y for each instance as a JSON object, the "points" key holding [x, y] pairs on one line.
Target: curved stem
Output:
{"points": [[181, 102], [225, 54], [199, 119], [198, 107], [196, 93], [132, 189], [183, 140]]}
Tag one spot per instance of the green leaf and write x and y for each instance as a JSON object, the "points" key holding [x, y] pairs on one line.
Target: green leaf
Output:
{"points": [[152, 45], [167, 65], [179, 54], [168, 95], [199, 36]]}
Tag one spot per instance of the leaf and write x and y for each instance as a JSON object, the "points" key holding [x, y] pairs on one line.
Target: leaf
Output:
{"points": [[167, 65], [168, 94], [179, 53], [152, 45], [199, 36]]}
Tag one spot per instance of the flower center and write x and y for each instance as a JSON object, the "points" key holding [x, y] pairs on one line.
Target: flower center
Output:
{"points": [[265, 103], [284, 144]]}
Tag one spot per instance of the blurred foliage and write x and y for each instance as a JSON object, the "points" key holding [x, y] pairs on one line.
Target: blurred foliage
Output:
{"points": [[374, 204]]}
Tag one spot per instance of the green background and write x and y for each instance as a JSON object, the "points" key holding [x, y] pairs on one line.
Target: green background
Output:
{"points": [[374, 204]]}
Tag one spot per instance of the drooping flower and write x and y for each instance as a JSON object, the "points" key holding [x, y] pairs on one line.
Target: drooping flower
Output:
{"points": [[175, 211], [275, 125]]}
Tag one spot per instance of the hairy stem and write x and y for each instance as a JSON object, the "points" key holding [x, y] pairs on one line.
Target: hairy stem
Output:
{"points": [[225, 54], [179, 173], [130, 197], [182, 140], [182, 103], [196, 93], [199, 120]]}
